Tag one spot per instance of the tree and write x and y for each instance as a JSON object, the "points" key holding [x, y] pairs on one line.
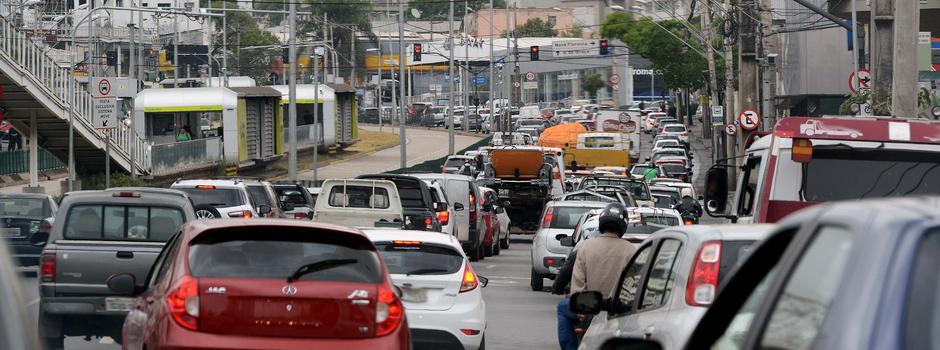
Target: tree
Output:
{"points": [[591, 83], [535, 27], [573, 32], [243, 31], [440, 9], [343, 17]]}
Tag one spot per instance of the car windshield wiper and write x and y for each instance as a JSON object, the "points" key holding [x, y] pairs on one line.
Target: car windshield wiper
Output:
{"points": [[319, 266], [424, 271]]}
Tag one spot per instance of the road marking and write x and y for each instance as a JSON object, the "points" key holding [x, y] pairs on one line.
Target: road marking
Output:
{"points": [[490, 266], [33, 302]]}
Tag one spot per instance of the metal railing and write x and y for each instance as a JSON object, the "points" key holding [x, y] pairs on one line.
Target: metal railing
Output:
{"points": [[172, 157], [17, 162], [305, 134], [46, 74]]}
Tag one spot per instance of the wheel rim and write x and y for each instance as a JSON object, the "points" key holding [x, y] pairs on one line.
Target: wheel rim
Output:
{"points": [[204, 214]]}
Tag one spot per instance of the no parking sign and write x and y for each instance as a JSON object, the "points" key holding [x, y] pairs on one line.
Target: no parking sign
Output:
{"points": [[749, 120]]}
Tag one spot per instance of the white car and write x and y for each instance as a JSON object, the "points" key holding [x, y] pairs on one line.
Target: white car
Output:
{"points": [[441, 293], [661, 144], [677, 130], [220, 198]]}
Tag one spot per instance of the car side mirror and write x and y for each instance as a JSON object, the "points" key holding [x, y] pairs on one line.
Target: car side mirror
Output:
{"points": [[483, 281], [288, 207], [488, 207], [506, 204], [630, 344], [458, 206], [39, 239], [567, 242], [716, 190], [122, 284], [560, 236], [586, 302], [264, 209]]}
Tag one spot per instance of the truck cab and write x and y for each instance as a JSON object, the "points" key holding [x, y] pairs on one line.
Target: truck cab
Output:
{"points": [[359, 203], [806, 161]]}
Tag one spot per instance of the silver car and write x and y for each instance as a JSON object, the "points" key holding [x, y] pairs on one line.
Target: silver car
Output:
{"points": [[670, 281], [558, 221]]}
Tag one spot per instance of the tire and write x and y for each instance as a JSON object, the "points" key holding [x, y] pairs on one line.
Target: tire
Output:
{"points": [[55, 339], [474, 254], [481, 252], [496, 246], [206, 212], [535, 281], [488, 250], [504, 243]]}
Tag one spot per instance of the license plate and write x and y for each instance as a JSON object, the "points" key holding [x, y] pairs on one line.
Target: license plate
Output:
{"points": [[414, 295], [119, 304], [10, 231]]}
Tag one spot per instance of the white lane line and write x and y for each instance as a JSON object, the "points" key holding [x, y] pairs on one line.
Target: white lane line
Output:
{"points": [[490, 266], [33, 302]]}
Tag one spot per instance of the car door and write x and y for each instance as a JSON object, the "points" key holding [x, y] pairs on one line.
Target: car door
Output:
{"points": [[459, 195], [146, 315], [623, 301]]}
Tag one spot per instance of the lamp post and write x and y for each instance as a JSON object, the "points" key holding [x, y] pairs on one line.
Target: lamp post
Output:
{"points": [[378, 84]]}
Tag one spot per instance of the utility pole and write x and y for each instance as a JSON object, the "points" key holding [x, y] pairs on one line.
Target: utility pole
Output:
{"points": [[730, 142], [450, 80], [706, 21], [507, 77], [515, 45], [467, 73], [882, 52], [904, 99], [769, 73], [492, 93], [131, 74], [401, 75], [292, 95], [352, 55], [176, 52], [316, 117]]}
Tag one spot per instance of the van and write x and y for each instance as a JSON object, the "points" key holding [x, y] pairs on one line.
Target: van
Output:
{"points": [[463, 195]]}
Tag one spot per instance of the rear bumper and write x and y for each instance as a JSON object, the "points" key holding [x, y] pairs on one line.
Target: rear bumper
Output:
{"points": [[441, 329], [181, 339], [86, 306]]}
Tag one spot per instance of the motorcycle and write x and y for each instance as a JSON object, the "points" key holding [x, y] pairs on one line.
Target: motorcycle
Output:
{"points": [[689, 218]]}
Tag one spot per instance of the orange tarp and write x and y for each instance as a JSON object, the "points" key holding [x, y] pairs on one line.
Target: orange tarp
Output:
{"points": [[561, 135]]}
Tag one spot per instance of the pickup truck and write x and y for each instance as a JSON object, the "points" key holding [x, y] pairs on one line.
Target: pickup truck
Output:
{"points": [[523, 177], [96, 235], [359, 203], [416, 201]]}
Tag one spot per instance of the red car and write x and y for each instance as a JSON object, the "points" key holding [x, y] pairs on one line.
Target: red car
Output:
{"points": [[265, 284], [491, 223]]}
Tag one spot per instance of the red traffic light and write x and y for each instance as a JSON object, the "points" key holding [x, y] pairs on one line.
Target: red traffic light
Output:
{"points": [[534, 53], [603, 47], [417, 47], [534, 49]]}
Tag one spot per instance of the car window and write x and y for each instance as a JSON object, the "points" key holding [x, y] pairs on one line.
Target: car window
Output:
{"points": [[291, 195], [734, 335], [922, 327], [630, 279], [259, 196], [25, 207], [216, 197], [162, 265], [567, 217], [353, 196], [660, 282], [119, 223], [419, 259], [804, 302]]}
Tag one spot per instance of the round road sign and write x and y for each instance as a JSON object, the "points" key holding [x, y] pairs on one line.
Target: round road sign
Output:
{"points": [[731, 129], [863, 82], [614, 79], [516, 84], [104, 87], [529, 76], [749, 119]]}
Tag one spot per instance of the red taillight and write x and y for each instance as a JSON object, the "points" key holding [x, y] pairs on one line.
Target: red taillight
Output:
{"points": [[388, 312], [45, 226], [703, 283], [300, 216], [469, 279], [246, 214], [689, 222], [684, 133], [547, 219], [183, 302], [470, 331], [443, 217], [47, 268], [428, 221], [126, 194]]}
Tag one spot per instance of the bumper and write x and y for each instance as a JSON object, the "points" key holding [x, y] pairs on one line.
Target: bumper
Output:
{"points": [[181, 339], [87, 306], [539, 264], [441, 329]]}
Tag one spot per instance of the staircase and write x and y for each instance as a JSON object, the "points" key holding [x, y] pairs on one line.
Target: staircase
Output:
{"points": [[34, 83]]}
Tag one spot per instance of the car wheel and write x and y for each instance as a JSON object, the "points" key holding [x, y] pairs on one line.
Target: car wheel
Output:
{"points": [[488, 250], [206, 212], [474, 254], [504, 243], [481, 252], [50, 332], [496, 246], [536, 281]]}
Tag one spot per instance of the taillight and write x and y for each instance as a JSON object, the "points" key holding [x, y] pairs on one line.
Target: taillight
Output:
{"points": [[689, 222], [183, 302], [45, 226], [300, 216], [703, 283], [469, 279], [428, 222], [443, 217], [547, 219], [388, 312], [47, 268], [240, 214], [684, 133]]}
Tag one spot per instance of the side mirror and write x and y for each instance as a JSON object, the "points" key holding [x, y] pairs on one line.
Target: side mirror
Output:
{"points": [[567, 242], [701, 197], [483, 281], [458, 206], [630, 344], [716, 190], [39, 239], [122, 284], [560, 236], [488, 207], [264, 209], [586, 302], [506, 204]]}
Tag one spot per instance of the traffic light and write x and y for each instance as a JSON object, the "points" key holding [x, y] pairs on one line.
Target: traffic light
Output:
{"points": [[533, 53], [603, 47], [417, 52]]}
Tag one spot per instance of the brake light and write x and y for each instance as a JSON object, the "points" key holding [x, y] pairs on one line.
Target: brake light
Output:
{"points": [[703, 283], [388, 312], [428, 221], [246, 214], [406, 243], [469, 279], [183, 302], [300, 216], [47, 268], [684, 133], [547, 219], [689, 222], [45, 226], [126, 194], [443, 217], [205, 187], [470, 331]]}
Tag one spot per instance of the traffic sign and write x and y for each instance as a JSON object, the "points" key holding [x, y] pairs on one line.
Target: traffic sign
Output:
{"points": [[529, 76], [102, 87], [614, 79], [749, 119], [516, 84], [530, 85], [575, 48], [862, 82], [105, 116], [731, 129], [479, 80], [718, 113]]}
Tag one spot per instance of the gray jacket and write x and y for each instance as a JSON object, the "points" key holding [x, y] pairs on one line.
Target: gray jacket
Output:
{"points": [[600, 262]]}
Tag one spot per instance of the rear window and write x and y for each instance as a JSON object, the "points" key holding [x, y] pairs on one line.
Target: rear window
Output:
{"points": [[216, 197], [122, 223], [675, 128], [567, 217], [663, 220], [359, 197], [672, 168], [25, 207], [454, 163], [291, 195], [420, 259], [261, 254], [410, 193], [666, 193], [259, 196], [639, 169], [733, 253]]}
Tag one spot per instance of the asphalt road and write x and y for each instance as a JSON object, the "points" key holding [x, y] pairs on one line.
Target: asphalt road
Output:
{"points": [[421, 145]]}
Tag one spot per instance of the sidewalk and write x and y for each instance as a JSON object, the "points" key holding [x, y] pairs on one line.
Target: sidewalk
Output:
{"points": [[51, 187]]}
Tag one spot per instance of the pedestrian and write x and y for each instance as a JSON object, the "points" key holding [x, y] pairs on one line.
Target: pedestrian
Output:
{"points": [[650, 173], [184, 134], [597, 266], [15, 140]]}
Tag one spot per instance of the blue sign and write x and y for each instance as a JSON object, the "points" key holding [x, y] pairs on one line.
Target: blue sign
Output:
{"points": [[479, 80]]}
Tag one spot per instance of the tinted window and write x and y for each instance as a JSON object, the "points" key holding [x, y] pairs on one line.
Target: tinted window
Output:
{"points": [[420, 259], [359, 197], [837, 174], [454, 163], [675, 128], [259, 196], [291, 195], [639, 169], [410, 193], [627, 292], [25, 207], [733, 253], [217, 197], [672, 168], [267, 255], [804, 302], [660, 281], [733, 336], [664, 220], [121, 223], [567, 217], [922, 328]]}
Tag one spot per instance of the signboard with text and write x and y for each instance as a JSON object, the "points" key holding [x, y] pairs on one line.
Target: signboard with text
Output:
{"points": [[576, 48], [105, 116]]}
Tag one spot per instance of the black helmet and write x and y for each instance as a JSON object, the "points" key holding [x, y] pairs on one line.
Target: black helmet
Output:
{"points": [[612, 219]]}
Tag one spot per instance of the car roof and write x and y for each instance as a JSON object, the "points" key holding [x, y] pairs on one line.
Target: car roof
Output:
{"points": [[153, 190], [725, 232], [109, 196], [195, 228], [579, 204], [664, 188], [386, 235], [208, 182], [435, 176]]}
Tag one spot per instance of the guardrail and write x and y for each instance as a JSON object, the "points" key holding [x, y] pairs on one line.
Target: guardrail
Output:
{"points": [[305, 134], [173, 157], [17, 162]]}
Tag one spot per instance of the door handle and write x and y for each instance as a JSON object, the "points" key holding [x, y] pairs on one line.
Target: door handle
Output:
{"points": [[649, 333], [125, 255]]}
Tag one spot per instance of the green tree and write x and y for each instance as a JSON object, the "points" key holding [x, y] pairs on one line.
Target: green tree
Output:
{"points": [[344, 17], [440, 9], [591, 83], [573, 32], [243, 32], [535, 27]]}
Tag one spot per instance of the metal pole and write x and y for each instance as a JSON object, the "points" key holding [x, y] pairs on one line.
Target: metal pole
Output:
{"points": [[292, 95], [132, 74], [401, 74], [491, 85], [450, 80], [352, 56], [467, 76], [507, 78], [107, 159], [379, 85], [316, 115], [176, 52], [140, 51], [225, 50]]}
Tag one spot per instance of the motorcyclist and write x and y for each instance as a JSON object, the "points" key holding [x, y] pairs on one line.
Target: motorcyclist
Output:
{"points": [[597, 266], [689, 205]]}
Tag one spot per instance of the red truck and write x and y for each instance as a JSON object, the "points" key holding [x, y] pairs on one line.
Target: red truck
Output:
{"points": [[805, 161]]}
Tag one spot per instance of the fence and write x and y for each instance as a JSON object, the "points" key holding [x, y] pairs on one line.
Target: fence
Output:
{"points": [[16, 162], [173, 157], [305, 135]]}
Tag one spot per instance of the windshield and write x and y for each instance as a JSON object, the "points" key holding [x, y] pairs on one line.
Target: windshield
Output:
{"points": [[567, 217], [291, 195], [839, 172], [672, 168], [216, 197], [420, 259], [25, 207], [639, 169], [637, 189], [672, 194], [674, 128], [454, 163]]}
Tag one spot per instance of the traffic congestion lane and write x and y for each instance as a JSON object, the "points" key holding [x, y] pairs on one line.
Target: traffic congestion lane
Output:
{"points": [[31, 295], [517, 317]]}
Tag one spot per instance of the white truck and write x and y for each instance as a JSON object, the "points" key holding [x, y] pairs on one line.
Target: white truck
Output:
{"points": [[359, 203]]}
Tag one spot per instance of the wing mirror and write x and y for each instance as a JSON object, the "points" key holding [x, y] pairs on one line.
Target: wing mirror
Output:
{"points": [[567, 242], [458, 206], [264, 209], [559, 236], [587, 302], [716, 191], [122, 284], [483, 281]]}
